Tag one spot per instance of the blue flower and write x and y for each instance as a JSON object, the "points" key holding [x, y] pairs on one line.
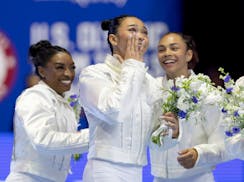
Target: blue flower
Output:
{"points": [[194, 99], [236, 114], [182, 114], [74, 96], [224, 110], [229, 90], [227, 78], [175, 88], [228, 133], [72, 104], [236, 130]]}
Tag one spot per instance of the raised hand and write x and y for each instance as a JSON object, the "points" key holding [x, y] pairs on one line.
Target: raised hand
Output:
{"points": [[135, 47]]}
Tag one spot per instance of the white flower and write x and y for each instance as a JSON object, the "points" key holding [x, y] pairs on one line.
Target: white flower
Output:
{"points": [[240, 82], [213, 97]]}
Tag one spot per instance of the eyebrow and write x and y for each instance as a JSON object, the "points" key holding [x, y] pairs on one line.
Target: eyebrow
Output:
{"points": [[135, 25], [58, 63], [161, 46], [172, 44]]}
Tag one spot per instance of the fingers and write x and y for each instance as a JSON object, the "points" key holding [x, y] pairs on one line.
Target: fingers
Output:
{"points": [[129, 45], [172, 122], [188, 164], [133, 42], [134, 48], [172, 125], [187, 158]]}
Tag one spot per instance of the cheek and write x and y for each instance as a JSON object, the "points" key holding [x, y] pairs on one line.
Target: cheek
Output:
{"points": [[73, 75], [160, 56], [183, 59], [122, 44], [146, 42]]}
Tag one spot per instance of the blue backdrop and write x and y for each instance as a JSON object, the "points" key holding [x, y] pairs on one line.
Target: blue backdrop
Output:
{"points": [[75, 25]]}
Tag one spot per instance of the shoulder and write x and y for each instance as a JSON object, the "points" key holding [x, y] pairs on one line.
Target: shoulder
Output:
{"points": [[98, 72], [36, 95], [154, 80], [95, 69]]}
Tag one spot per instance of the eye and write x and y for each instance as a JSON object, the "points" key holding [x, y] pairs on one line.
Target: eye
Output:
{"points": [[161, 49], [174, 48], [144, 31], [59, 67], [132, 29], [73, 67]]}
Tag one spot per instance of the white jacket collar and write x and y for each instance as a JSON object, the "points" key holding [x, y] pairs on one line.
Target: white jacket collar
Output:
{"points": [[113, 63], [58, 96]]}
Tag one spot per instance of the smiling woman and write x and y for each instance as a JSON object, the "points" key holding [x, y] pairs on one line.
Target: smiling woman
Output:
{"points": [[45, 126], [54, 65]]}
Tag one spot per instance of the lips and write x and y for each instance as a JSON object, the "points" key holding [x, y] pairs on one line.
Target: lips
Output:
{"points": [[168, 61], [66, 82]]}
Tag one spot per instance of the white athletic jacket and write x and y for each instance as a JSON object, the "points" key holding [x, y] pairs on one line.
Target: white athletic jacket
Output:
{"points": [[119, 100], [206, 137], [45, 134]]}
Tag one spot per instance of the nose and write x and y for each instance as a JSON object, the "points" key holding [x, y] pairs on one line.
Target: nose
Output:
{"points": [[141, 36], [167, 52], [68, 72]]}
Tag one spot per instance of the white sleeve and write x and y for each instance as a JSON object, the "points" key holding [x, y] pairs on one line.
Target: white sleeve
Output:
{"points": [[235, 146], [213, 151], [36, 116]]}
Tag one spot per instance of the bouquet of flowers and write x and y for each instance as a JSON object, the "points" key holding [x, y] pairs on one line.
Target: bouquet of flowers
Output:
{"points": [[74, 103], [232, 103], [184, 98]]}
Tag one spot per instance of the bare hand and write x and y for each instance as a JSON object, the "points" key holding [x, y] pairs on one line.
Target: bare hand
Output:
{"points": [[187, 158], [172, 122], [133, 50]]}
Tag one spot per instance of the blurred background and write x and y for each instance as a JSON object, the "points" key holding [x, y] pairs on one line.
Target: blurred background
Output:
{"points": [[217, 27]]}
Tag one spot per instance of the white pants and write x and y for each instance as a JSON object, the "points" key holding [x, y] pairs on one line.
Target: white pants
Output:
{"points": [[101, 171], [205, 177], [25, 177]]}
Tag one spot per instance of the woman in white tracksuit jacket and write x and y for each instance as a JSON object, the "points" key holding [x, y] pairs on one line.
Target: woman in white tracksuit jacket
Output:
{"points": [[118, 97], [45, 125], [200, 143]]}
